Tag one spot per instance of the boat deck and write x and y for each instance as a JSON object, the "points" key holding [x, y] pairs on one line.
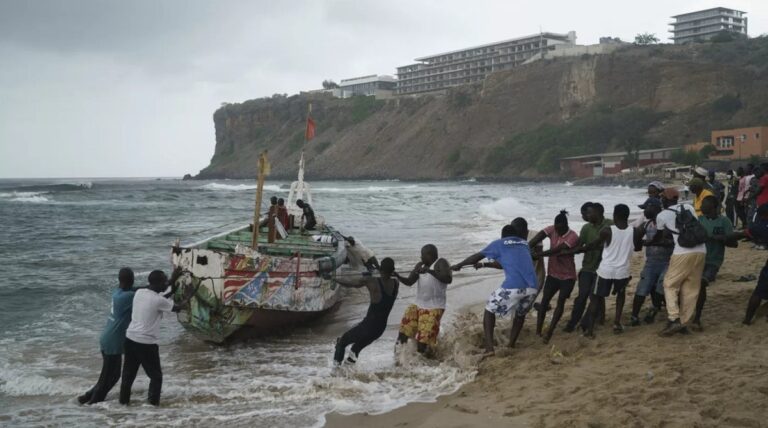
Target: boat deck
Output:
{"points": [[296, 241]]}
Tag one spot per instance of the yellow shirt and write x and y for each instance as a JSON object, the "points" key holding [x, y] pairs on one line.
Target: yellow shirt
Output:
{"points": [[697, 200]]}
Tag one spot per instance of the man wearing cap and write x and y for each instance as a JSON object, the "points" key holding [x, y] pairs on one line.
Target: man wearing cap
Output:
{"points": [[682, 281], [654, 190], [699, 189]]}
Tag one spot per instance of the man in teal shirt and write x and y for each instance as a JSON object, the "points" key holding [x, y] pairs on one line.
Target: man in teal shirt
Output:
{"points": [[719, 235], [112, 339], [594, 215]]}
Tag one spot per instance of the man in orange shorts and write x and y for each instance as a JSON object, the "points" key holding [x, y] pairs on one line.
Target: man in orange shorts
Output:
{"points": [[421, 321]]}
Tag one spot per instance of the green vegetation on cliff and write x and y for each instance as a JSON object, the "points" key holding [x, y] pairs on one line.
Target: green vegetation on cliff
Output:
{"points": [[599, 129]]}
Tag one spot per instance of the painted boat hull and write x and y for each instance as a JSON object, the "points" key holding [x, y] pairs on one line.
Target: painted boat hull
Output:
{"points": [[234, 296]]}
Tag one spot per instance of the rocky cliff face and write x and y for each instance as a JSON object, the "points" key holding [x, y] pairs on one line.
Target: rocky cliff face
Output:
{"points": [[516, 124]]}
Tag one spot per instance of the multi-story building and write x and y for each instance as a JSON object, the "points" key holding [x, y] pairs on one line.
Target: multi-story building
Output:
{"points": [[704, 24], [740, 143], [470, 65], [378, 86]]}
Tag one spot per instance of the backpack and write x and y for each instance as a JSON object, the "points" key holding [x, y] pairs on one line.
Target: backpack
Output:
{"points": [[690, 232]]}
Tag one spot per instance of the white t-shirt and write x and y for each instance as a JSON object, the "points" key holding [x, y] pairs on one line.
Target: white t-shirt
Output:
{"points": [[666, 220], [148, 308], [430, 292]]}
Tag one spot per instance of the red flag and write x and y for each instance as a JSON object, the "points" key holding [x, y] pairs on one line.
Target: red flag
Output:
{"points": [[310, 132]]}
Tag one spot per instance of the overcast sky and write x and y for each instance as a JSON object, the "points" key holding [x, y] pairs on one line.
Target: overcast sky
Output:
{"points": [[128, 88]]}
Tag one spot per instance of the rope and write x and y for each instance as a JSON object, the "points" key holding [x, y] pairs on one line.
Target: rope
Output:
{"points": [[219, 227]]}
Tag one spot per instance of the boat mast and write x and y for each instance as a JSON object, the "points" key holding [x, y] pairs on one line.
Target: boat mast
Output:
{"points": [[263, 165], [300, 189]]}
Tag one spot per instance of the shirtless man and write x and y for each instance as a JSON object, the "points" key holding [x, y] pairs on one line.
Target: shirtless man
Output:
{"points": [[421, 321], [383, 293]]}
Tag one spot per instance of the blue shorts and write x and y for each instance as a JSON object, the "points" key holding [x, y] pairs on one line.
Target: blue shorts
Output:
{"points": [[710, 273], [651, 278]]}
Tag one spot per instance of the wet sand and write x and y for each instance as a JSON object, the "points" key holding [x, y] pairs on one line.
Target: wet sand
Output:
{"points": [[713, 378]]}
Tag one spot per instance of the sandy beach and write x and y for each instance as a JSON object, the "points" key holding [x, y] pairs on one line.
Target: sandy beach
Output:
{"points": [[713, 378]]}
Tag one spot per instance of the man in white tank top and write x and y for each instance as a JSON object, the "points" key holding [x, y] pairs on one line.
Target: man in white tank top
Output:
{"points": [[618, 244], [421, 321]]}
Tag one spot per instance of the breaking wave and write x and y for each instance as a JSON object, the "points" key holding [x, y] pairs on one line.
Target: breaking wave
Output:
{"points": [[239, 187], [504, 209], [31, 197], [367, 189]]}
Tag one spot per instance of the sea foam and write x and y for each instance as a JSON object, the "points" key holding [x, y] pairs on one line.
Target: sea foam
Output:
{"points": [[240, 187]]}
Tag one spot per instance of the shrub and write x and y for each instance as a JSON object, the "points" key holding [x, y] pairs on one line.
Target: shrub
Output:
{"points": [[727, 104]]}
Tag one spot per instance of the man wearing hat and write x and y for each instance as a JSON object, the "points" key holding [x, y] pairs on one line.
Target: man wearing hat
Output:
{"points": [[654, 190], [699, 189], [682, 281]]}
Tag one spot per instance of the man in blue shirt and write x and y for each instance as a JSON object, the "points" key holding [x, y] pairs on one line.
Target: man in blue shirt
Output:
{"points": [[112, 339], [520, 286]]}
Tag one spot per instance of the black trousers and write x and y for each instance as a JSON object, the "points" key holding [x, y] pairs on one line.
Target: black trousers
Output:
{"points": [[148, 357], [359, 337], [110, 374], [730, 210], [587, 281]]}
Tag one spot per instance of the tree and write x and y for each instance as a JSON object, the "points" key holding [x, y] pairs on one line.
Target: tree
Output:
{"points": [[329, 84], [644, 39], [727, 36]]}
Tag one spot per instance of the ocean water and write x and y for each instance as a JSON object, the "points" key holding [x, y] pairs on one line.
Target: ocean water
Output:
{"points": [[64, 241]]}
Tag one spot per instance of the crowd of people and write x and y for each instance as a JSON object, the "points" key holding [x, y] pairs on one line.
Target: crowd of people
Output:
{"points": [[684, 246]]}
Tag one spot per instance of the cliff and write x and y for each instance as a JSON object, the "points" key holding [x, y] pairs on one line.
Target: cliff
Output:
{"points": [[518, 123]]}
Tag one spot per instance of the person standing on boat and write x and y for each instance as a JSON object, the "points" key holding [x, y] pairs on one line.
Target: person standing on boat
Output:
{"points": [[421, 321], [271, 214], [383, 291], [142, 335], [112, 339], [282, 213], [307, 216], [520, 287]]}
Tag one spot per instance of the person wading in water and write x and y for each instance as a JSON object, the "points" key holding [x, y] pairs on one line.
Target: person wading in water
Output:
{"points": [[383, 293]]}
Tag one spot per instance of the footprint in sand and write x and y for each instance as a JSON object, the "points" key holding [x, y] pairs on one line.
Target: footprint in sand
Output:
{"points": [[463, 409]]}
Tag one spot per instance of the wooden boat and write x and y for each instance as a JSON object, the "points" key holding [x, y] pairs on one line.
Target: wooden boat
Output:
{"points": [[237, 289]]}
